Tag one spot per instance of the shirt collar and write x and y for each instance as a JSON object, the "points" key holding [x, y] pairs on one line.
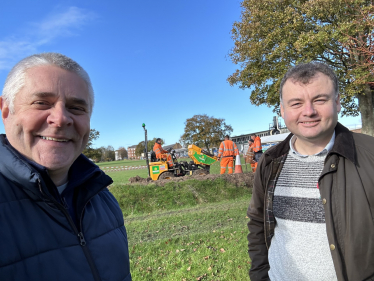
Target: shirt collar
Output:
{"points": [[324, 151]]}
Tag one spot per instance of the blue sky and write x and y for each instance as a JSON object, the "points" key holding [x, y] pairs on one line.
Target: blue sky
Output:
{"points": [[152, 62]]}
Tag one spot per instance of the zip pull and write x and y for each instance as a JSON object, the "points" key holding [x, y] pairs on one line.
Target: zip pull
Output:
{"points": [[81, 239], [40, 186]]}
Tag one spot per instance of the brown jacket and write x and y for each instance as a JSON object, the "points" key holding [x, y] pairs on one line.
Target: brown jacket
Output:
{"points": [[346, 186]]}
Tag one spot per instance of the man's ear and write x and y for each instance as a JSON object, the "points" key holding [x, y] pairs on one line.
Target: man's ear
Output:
{"points": [[282, 110], [4, 109], [338, 105]]}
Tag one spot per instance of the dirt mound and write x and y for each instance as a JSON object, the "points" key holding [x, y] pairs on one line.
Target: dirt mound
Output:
{"points": [[236, 179]]}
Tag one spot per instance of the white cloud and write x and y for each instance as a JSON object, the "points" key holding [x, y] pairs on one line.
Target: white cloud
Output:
{"points": [[55, 25]]}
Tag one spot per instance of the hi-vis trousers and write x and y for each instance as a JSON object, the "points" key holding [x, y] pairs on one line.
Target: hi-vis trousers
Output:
{"points": [[227, 161]]}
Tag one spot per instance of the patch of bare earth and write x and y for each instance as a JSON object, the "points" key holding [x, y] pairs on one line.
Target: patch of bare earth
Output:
{"points": [[235, 179]]}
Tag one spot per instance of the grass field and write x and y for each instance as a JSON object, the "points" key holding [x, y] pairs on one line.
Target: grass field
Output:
{"points": [[199, 243], [190, 230]]}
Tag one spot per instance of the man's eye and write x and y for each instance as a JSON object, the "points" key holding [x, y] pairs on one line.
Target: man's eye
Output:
{"points": [[41, 104], [77, 109], [320, 101]]}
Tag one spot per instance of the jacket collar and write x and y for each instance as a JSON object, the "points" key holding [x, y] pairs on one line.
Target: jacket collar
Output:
{"points": [[18, 169], [344, 145]]}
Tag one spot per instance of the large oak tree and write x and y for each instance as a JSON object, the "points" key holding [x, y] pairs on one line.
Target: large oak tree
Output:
{"points": [[205, 131], [274, 35]]}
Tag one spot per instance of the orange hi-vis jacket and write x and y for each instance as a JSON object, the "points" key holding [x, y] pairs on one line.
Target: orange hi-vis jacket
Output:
{"points": [[256, 145], [227, 148], [157, 148]]}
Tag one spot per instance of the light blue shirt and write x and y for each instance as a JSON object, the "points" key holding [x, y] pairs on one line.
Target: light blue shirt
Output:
{"points": [[324, 151]]}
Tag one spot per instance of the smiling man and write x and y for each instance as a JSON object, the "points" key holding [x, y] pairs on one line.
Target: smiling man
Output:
{"points": [[311, 212], [58, 220]]}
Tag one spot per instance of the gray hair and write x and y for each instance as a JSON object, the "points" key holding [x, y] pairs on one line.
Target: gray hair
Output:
{"points": [[17, 76], [305, 72]]}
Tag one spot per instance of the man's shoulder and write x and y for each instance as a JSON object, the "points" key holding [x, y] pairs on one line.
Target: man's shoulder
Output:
{"points": [[364, 141], [273, 150]]}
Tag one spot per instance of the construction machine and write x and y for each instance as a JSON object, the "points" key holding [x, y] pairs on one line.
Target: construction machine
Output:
{"points": [[158, 169]]}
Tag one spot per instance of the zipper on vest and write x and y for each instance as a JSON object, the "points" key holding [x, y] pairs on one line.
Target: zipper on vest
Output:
{"points": [[82, 240], [80, 235]]}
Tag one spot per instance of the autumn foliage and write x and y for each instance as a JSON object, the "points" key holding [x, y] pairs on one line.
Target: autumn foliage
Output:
{"points": [[205, 131], [273, 35]]}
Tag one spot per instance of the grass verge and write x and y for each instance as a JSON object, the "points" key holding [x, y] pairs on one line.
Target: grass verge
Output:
{"points": [[204, 242], [138, 199]]}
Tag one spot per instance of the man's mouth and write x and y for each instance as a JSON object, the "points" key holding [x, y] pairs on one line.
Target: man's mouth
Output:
{"points": [[54, 139], [309, 122]]}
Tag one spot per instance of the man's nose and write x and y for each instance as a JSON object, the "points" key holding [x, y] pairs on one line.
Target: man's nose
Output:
{"points": [[309, 109], [60, 116]]}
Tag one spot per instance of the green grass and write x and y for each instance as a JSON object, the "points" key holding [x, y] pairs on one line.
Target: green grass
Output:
{"points": [[123, 176], [121, 163], [190, 230], [205, 242], [137, 199]]}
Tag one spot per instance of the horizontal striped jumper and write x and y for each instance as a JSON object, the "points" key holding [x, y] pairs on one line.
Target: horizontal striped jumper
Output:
{"points": [[299, 248]]}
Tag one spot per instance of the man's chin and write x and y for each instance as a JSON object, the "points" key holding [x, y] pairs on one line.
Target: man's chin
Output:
{"points": [[56, 164]]}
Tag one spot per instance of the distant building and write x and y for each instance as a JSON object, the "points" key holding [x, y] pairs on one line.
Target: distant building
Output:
{"points": [[269, 141], [117, 155], [172, 146], [131, 152], [274, 128], [181, 152]]}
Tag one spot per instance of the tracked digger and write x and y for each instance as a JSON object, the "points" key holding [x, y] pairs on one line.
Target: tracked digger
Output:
{"points": [[158, 169]]}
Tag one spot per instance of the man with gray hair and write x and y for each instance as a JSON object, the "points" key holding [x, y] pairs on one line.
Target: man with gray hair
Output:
{"points": [[58, 220], [312, 207]]}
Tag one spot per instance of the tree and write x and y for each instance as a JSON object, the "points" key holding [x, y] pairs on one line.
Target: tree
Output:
{"points": [[140, 147], [274, 35], [107, 153], [89, 151], [94, 135], [122, 152], [92, 153], [205, 131]]}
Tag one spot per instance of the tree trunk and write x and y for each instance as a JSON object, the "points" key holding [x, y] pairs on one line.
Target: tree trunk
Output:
{"points": [[366, 106]]}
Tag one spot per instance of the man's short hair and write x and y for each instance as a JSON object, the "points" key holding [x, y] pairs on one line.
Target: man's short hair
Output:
{"points": [[227, 137], [158, 139], [305, 72], [253, 135], [16, 77]]}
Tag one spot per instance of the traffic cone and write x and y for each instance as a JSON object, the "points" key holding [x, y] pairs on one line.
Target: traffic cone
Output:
{"points": [[238, 165]]}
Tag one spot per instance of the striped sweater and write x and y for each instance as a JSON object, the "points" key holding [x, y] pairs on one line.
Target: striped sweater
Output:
{"points": [[299, 249]]}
